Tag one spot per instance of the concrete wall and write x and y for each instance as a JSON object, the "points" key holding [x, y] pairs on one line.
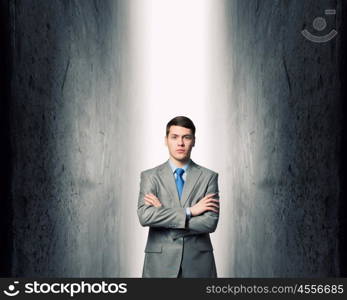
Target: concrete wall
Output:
{"points": [[5, 149], [285, 137], [65, 130]]}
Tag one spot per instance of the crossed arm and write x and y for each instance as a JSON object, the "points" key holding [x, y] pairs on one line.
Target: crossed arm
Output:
{"points": [[205, 213]]}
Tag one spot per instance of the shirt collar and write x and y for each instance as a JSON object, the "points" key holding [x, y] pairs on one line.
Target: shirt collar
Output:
{"points": [[174, 167]]}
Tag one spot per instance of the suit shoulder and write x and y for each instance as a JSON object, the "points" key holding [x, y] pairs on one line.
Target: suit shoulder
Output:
{"points": [[207, 171], [152, 171]]}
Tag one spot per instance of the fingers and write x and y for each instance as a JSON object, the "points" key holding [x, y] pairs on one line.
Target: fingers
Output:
{"points": [[210, 195], [212, 205], [211, 200], [213, 209], [152, 200], [149, 201], [151, 196]]}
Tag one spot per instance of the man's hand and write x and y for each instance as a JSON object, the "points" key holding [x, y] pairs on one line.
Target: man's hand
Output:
{"points": [[205, 204], [150, 199]]}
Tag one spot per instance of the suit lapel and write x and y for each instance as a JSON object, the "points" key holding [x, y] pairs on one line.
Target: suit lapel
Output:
{"points": [[168, 181], [193, 174]]}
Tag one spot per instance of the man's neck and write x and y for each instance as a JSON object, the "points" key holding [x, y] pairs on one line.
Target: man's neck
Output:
{"points": [[179, 163]]}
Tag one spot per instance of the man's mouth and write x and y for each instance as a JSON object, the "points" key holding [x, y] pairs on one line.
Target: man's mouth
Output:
{"points": [[180, 151]]}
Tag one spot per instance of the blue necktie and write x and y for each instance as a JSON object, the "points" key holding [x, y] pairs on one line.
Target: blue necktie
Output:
{"points": [[179, 181]]}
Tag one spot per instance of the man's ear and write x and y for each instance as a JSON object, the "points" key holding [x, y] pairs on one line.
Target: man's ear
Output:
{"points": [[165, 139], [193, 142]]}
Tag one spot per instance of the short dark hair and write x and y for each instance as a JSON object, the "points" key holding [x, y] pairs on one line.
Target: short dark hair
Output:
{"points": [[181, 121]]}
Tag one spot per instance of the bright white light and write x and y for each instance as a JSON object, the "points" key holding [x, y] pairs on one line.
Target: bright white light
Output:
{"points": [[174, 48]]}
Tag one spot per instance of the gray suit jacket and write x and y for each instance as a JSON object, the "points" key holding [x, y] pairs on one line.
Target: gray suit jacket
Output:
{"points": [[173, 240]]}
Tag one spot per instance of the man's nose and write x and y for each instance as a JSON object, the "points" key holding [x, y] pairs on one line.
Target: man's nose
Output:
{"points": [[180, 141]]}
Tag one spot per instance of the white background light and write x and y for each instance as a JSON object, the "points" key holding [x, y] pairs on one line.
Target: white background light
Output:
{"points": [[172, 74], [174, 48]]}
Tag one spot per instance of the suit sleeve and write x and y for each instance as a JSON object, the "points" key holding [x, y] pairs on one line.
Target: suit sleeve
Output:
{"points": [[206, 222], [168, 217]]}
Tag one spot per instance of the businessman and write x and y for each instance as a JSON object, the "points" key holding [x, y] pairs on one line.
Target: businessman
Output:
{"points": [[179, 202]]}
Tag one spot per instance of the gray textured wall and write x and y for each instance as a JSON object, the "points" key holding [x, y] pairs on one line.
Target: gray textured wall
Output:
{"points": [[69, 118], [65, 129], [285, 126]]}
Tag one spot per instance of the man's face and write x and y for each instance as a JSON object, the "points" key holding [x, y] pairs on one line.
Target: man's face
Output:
{"points": [[180, 142]]}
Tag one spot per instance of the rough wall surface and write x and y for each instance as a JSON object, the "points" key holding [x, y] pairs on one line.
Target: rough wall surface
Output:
{"points": [[66, 91], [285, 126]]}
